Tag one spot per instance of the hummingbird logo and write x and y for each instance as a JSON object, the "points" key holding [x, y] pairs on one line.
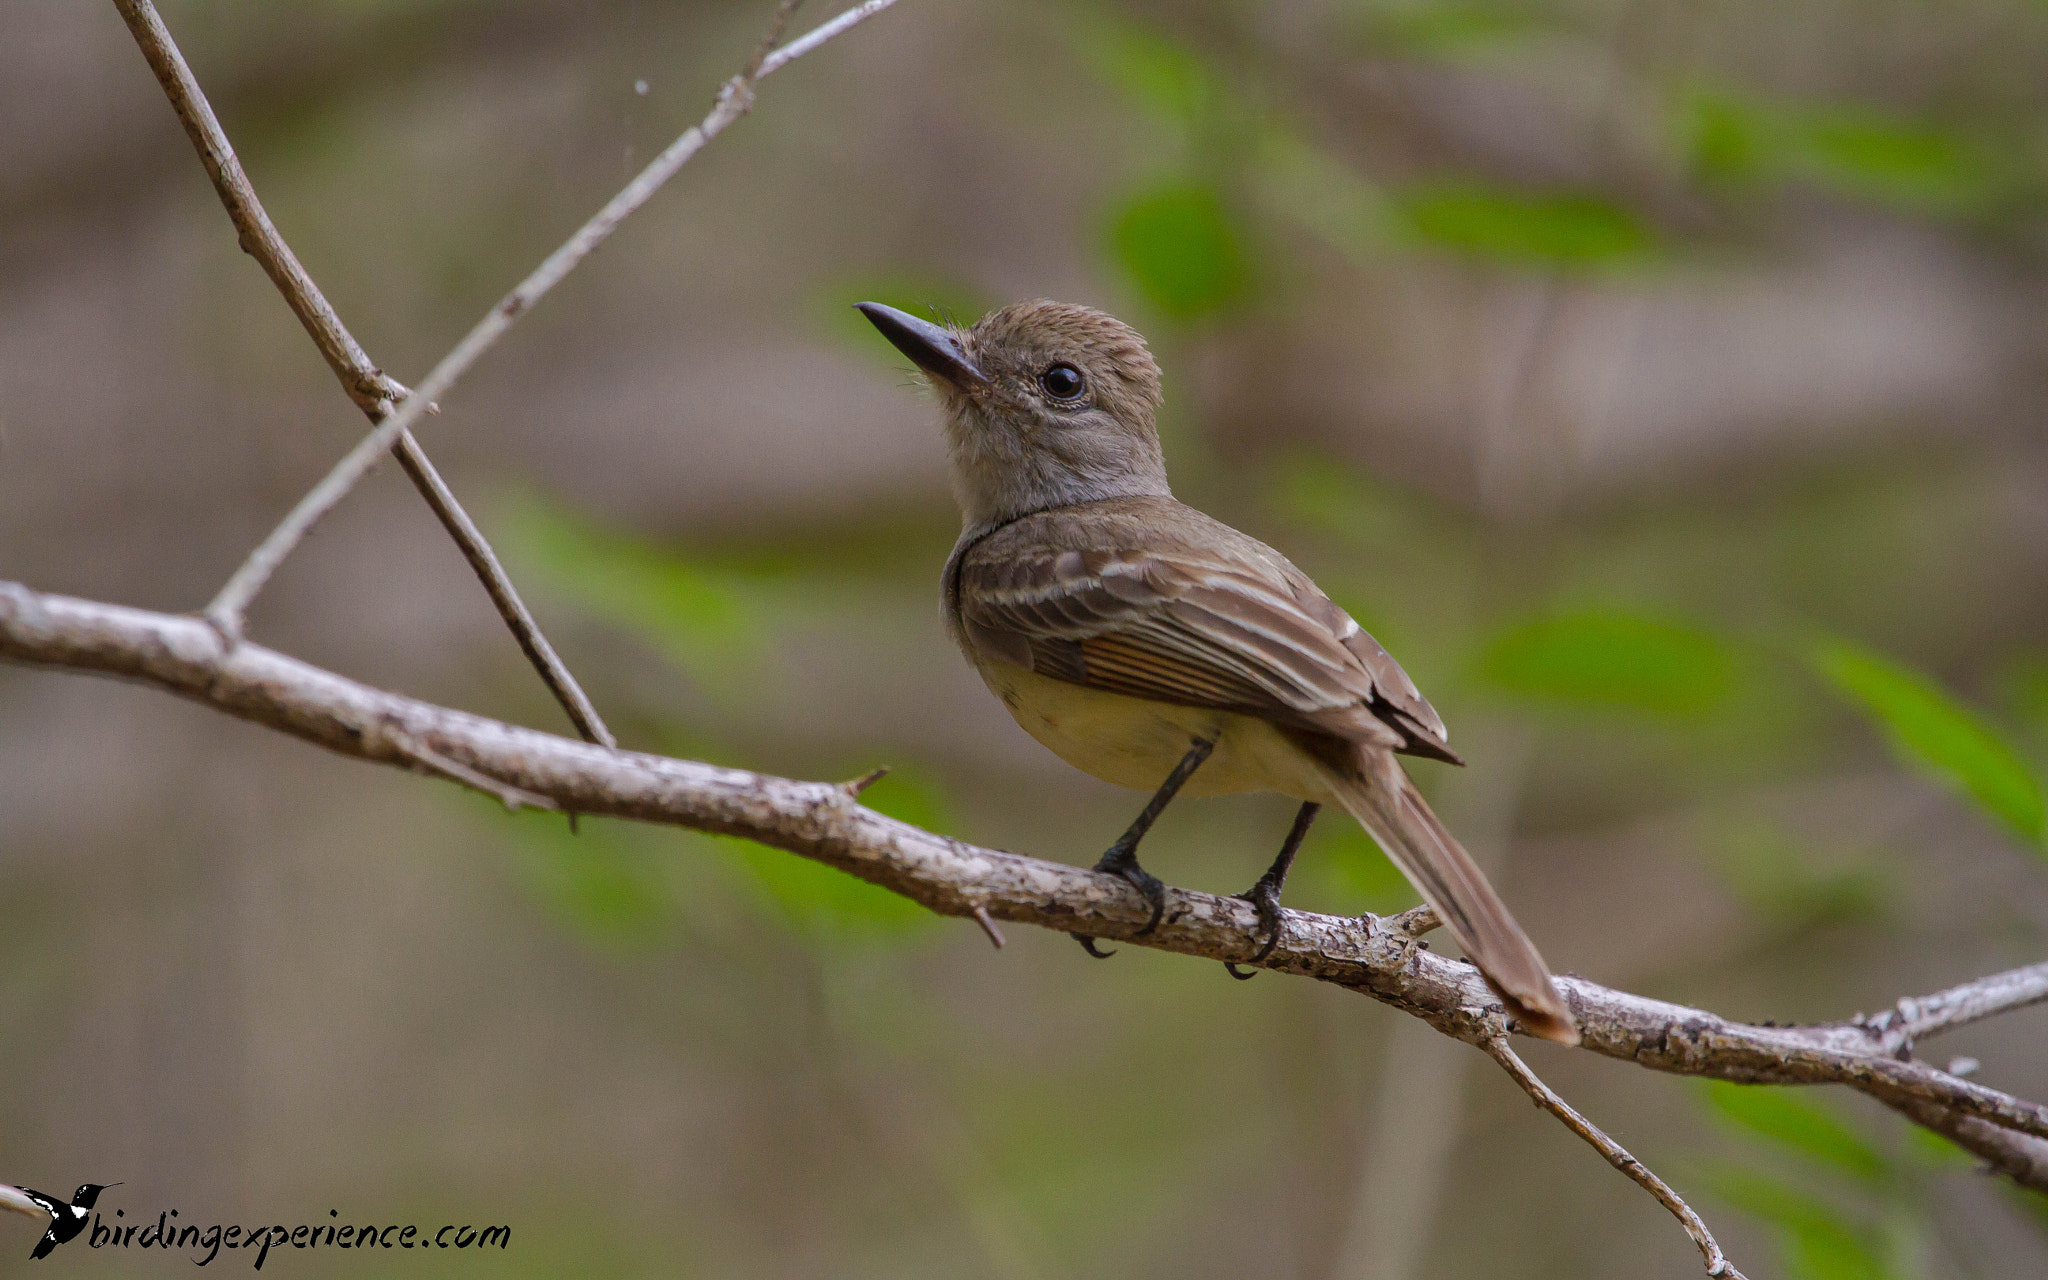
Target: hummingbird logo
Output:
{"points": [[66, 1220]]}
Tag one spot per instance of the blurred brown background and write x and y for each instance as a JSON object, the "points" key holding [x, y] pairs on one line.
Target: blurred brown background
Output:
{"points": [[1606, 359]]}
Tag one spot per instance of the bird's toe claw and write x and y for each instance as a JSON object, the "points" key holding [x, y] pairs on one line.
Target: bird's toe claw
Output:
{"points": [[1123, 863], [1155, 893], [1088, 945], [1267, 903]]}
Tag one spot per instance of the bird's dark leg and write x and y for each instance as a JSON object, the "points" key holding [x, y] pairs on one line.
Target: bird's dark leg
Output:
{"points": [[1121, 859], [1265, 895]]}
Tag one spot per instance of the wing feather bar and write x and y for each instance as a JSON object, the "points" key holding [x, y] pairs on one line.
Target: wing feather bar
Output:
{"points": [[1192, 633]]}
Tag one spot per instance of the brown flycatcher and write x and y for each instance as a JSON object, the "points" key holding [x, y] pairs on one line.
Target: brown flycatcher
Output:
{"points": [[1155, 648]]}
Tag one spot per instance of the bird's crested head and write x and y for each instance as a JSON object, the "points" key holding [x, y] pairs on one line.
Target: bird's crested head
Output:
{"points": [[1047, 404]]}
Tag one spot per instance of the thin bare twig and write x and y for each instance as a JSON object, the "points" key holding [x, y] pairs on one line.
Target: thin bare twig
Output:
{"points": [[855, 786], [1915, 1018], [1617, 1155], [365, 383], [373, 392], [988, 926], [803, 44], [1416, 921], [432, 761], [484, 562], [819, 820], [735, 98]]}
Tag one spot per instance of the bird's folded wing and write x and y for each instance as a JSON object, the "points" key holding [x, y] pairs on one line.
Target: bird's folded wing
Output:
{"points": [[1175, 620]]}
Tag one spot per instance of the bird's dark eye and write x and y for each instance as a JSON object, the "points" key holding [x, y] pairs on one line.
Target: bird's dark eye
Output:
{"points": [[1062, 381]]}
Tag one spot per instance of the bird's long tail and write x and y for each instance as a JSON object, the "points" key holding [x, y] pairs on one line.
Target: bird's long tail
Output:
{"points": [[1379, 794]]}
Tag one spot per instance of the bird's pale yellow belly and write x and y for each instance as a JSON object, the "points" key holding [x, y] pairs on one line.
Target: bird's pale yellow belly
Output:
{"points": [[1136, 742]]}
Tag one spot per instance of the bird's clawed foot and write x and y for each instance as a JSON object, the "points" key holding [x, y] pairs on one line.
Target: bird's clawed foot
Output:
{"points": [[1265, 898], [1122, 861], [1265, 895], [1122, 857]]}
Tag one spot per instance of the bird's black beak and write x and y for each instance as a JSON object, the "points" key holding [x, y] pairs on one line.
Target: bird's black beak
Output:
{"points": [[932, 348]]}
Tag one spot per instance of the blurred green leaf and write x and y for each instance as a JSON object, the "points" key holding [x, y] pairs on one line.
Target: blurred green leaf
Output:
{"points": [[705, 619], [1725, 140], [821, 900], [1611, 659], [1461, 29], [1821, 1242], [1522, 228], [1160, 72], [1930, 1150], [1934, 732], [1344, 872], [1792, 1121], [1850, 149], [597, 879], [2032, 1205], [1893, 160], [1183, 248], [1230, 129]]}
